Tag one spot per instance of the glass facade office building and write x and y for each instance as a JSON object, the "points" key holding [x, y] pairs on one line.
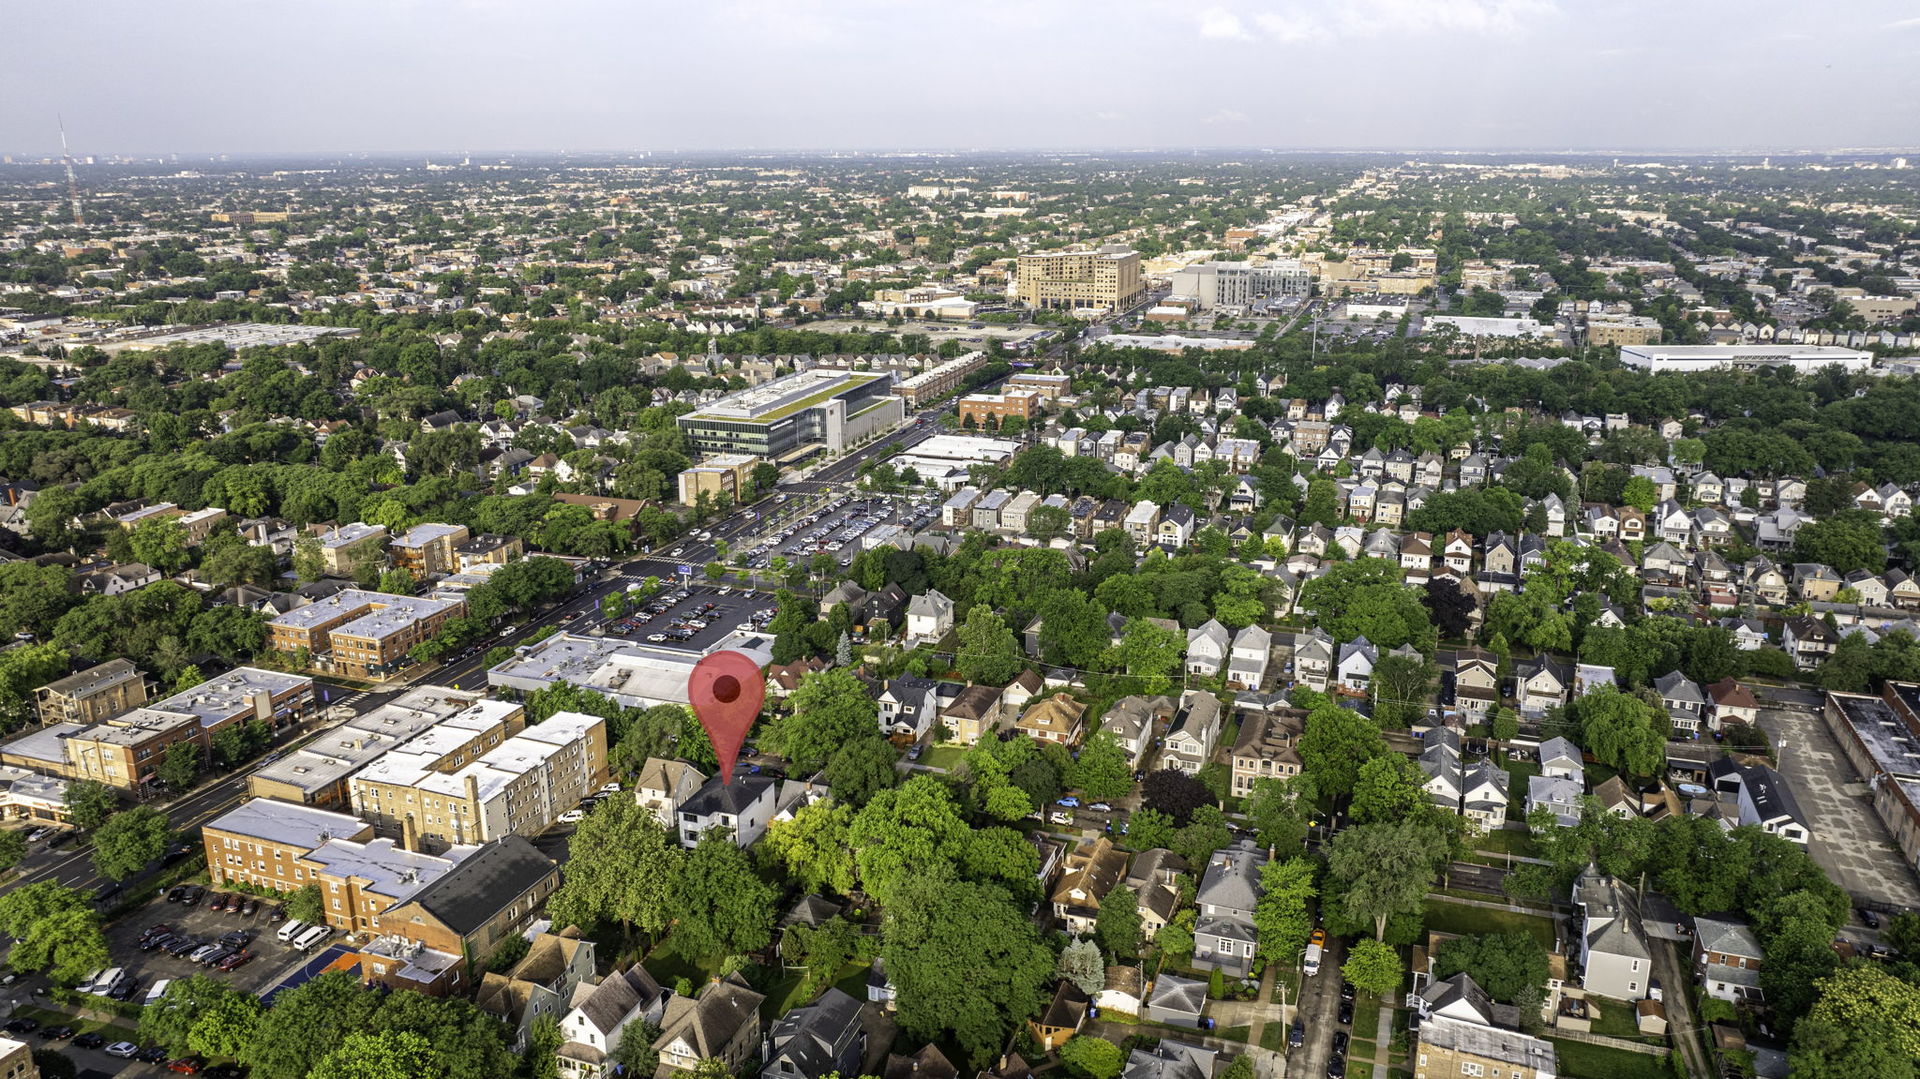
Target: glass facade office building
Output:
{"points": [[809, 408]]}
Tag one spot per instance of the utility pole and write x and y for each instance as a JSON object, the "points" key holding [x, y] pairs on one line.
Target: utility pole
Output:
{"points": [[73, 185]]}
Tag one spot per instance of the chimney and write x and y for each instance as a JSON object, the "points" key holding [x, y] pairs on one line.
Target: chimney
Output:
{"points": [[409, 834]]}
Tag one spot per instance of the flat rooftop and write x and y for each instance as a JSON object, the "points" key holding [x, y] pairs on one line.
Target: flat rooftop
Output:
{"points": [[238, 336], [385, 614], [783, 397], [626, 671], [350, 533], [422, 534], [219, 699], [48, 744], [346, 749], [286, 823], [144, 512], [386, 869], [1887, 740]]}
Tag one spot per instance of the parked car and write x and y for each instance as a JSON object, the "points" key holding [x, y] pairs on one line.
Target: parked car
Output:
{"points": [[89, 1041], [123, 1050], [250, 906], [236, 961], [1340, 1040], [187, 1066], [573, 816], [1297, 1033], [1346, 1011], [55, 1034], [153, 1054]]}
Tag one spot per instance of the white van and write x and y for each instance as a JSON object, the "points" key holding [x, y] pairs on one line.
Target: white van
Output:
{"points": [[316, 934], [113, 979], [292, 929], [158, 990]]}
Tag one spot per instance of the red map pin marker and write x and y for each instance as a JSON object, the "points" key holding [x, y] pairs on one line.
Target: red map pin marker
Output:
{"points": [[726, 689]]}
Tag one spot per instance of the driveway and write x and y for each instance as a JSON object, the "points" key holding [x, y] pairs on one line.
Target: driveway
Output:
{"points": [[1849, 841]]}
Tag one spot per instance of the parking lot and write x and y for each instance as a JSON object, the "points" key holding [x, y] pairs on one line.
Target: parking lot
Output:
{"points": [[838, 528], [695, 620], [1849, 840], [199, 923]]}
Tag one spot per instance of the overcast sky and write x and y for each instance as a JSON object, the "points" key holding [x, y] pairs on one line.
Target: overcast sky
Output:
{"points": [[229, 76]]}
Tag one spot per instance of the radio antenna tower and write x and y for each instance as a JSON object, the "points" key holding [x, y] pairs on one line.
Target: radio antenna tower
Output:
{"points": [[73, 185]]}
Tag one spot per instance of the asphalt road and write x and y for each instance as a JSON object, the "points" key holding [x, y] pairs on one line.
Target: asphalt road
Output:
{"points": [[1319, 1006]]}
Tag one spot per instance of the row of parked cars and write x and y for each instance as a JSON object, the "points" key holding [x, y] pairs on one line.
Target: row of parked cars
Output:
{"points": [[152, 1054], [579, 812], [226, 952], [189, 895]]}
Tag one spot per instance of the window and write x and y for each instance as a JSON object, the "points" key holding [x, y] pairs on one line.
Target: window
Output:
{"points": [[1468, 1067]]}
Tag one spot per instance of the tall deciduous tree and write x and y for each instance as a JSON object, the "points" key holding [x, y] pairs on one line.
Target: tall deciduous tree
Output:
{"points": [[1390, 787], [1374, 967], [1509, 966], [128, 841], [725, 908], [1282, 915], [390, 1054], [1117, 927], [988, 652], [1336, 743], [815, 848], [1101, 772], [622, 866], [1379, 870], [829, 709], [904, 832], [1148, 654], [90, 803], [1622, 730], [967, 962]]}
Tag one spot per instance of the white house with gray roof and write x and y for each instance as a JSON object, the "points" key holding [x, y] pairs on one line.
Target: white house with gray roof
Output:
{"points": [[1612, 947], [1224, 936]]}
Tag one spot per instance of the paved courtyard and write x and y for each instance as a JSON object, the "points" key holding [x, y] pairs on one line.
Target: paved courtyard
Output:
{"points": [[1849, 842]]}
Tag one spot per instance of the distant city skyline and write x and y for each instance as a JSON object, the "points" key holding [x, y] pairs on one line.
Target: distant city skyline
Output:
{"points": [[201, 77]]}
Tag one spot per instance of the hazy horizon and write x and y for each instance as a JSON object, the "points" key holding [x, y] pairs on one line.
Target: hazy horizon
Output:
{"points": [[209, 77]]}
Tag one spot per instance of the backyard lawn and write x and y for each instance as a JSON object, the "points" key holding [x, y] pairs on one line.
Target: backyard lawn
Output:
{"points": [[1616, 1019], [1508, 841], [944, 757], [1580, 1060], [1459, 918]]}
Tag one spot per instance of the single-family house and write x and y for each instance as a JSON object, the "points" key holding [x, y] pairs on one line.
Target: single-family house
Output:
{"points": [[1223, 935], [1195, 734]]}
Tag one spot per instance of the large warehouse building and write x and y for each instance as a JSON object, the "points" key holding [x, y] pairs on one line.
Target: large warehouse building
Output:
{"points": [[1802, 358], [785, 418]]}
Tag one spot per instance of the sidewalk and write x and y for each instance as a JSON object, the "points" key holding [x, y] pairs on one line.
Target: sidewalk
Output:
{"points": [[1383, 1038]]}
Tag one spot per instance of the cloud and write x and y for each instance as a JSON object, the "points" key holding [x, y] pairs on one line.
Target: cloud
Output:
{"points": [[1226, 116], [1294, 25], [1220, 23], [1109, 116], [1903, 24]]}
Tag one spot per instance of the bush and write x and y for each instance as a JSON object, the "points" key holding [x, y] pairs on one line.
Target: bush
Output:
{"points": [[1091, 1057]]}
